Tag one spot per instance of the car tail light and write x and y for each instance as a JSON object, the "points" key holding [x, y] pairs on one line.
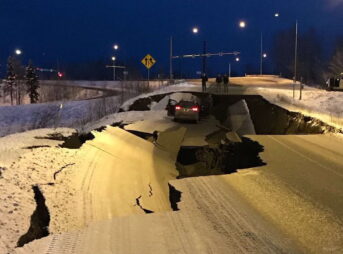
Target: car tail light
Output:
{"points": [[178, 107], [195, 109]]}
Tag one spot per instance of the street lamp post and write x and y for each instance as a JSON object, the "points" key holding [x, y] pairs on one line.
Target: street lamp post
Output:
{"points": [[115, 47], [171, 59], [295, 56], [261, 56], [114, 68], [18, 52]]}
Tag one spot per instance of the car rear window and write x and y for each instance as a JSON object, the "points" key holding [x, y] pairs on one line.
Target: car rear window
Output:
{"points": [[187, 104]]}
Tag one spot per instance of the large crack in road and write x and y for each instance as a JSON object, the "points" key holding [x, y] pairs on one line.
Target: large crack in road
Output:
{"points": [[40, 219]]}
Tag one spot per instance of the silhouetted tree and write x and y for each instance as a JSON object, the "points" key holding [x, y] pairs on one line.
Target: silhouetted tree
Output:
{"points": [[282, 55], [10, 83], [310, 63], [310, 58], [336, 62], [32, 83]]}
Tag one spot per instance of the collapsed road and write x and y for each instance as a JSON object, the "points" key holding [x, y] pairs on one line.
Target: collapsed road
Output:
{"points": [[285, 200]]}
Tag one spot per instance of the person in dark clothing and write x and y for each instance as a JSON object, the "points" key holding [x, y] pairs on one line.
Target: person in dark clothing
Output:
{"points": [[219, 81], [204, 79], [226, 83]]}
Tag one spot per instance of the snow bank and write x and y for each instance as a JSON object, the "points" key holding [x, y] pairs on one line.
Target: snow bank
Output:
{"points": [[323, 105], [51, 115]]}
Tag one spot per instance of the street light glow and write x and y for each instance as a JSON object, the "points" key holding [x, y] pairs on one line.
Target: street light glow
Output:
{"points": [[18, 52], [195, 30], [237, 59], [242, 24], [113, 58], [264, 55], [116, 47], [277, 15]]}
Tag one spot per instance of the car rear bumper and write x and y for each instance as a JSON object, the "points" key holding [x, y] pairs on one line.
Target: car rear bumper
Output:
{"points": [[187, 116]]}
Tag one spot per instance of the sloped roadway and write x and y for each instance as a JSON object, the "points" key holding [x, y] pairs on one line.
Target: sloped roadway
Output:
{"points": [[293, 204]]}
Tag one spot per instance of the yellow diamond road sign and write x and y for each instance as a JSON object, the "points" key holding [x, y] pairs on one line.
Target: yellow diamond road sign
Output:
{"points": [[148, 61]]}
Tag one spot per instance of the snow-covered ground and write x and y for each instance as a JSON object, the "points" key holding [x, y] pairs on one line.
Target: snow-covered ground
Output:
{"points": [[73, 114], [106, 85]]}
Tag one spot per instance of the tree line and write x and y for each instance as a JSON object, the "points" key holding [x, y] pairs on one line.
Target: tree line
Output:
{"points": [[313, 66], [19, 81]]}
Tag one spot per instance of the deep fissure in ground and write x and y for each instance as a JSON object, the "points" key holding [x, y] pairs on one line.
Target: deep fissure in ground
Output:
{"points": [[223, 158], [268, 119], [40, 220]]}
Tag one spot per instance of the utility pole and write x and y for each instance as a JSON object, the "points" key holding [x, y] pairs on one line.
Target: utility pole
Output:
{"points": [[301, 88], [261, 56], [171, 60], [295, 57], [204, 58], [114, 68], [229, 70]]}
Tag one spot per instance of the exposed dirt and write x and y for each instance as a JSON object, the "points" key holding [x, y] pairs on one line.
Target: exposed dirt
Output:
{"points": [[1, 170], [40, 220], [138, 203], [224, 158], [36, 147], [267, 118], [270, 119], [143, 104], [74, 141], [174, 197]]}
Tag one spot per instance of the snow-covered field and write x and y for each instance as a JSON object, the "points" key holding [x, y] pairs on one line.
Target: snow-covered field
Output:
{"points": [[73, 114]]}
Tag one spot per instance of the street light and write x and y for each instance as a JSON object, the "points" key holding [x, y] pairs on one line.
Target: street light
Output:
{"points": [[276, 15], [114, 68], [242, 24], [237, 59], [116, 47], [195, 30], [264, 55], [18, 52]]}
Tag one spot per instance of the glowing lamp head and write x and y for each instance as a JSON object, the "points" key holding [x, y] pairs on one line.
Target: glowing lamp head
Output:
{"points": [[242, 24], [264, 55], [237, 59], [116, 47], [113, 58], [18, 52], [277, 15], [195, 30]]}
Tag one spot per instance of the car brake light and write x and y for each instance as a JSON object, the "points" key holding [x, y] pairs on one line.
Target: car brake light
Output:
{"points": [[178, 107], [195, 109]]}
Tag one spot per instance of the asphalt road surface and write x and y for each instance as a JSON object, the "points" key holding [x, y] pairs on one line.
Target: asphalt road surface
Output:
{"points": [[293, 204]]}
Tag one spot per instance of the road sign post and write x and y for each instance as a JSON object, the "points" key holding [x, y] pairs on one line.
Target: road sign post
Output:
{"points": [[148, 61]]}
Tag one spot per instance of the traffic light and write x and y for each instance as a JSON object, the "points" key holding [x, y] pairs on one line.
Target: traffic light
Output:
{"points": [[60, 74]]}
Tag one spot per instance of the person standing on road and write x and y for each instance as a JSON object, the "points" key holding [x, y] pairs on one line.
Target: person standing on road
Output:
{"points": [[204, 79], [226, 83], [219, 81]]}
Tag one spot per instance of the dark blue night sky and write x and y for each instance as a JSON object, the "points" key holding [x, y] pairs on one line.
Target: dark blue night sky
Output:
{"points": [[80, 30]]}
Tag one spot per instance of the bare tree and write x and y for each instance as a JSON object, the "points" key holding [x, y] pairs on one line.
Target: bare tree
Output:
{"points": [[336, 63], [10, 83]]}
